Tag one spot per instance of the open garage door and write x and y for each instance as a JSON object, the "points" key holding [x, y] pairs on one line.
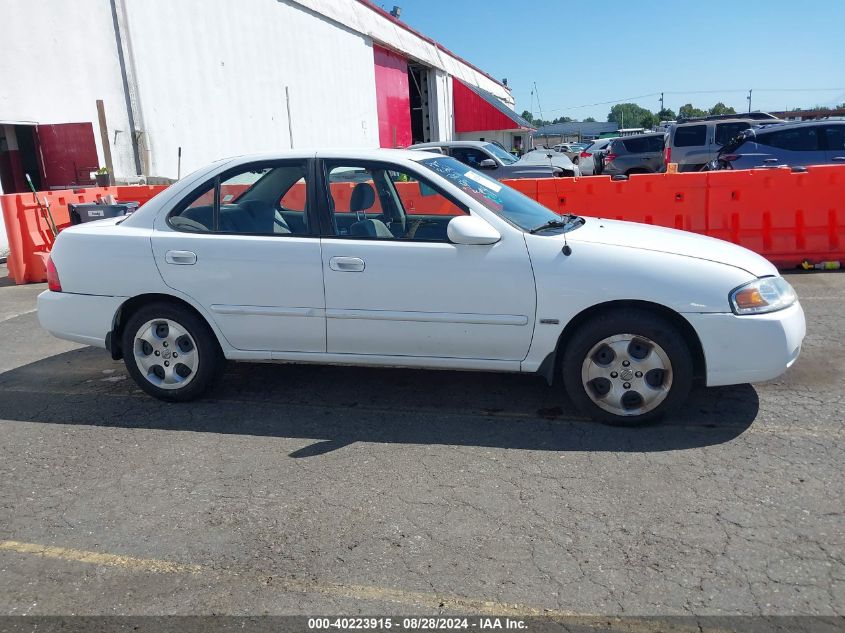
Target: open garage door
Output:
{"points": [[392, 98]]}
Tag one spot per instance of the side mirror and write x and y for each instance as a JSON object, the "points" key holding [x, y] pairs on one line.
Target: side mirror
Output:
{"points": [[470, 229], [487, 163]]}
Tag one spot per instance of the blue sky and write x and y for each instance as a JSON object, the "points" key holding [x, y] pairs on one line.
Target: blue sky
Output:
{"points": [[588, 52]]}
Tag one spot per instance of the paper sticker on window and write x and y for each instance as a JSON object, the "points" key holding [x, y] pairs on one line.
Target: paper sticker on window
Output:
{"points": [[481, 180]]}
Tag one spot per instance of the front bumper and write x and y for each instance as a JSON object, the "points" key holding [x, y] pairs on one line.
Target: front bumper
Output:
{"points": [[84, 319], [752, 348]]}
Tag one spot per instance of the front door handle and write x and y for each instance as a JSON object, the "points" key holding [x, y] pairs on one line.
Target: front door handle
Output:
{"points": [[839, 158], [347, 264], [182, 258]]}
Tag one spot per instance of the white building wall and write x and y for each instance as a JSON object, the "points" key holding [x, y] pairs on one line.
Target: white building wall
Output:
{"points": [[211, 78], [385, 31], [56, 59]]}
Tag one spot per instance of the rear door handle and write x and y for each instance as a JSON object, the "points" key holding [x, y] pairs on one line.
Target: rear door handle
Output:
{"points": [[347, 264], [182, 258], [840, 158]]}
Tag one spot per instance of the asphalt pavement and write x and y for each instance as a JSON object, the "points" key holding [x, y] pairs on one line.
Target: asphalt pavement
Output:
{"points": [[303, 489]]}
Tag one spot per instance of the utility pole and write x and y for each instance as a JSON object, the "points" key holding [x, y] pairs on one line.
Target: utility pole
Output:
{"points": [[661, 102], [749, 100]]}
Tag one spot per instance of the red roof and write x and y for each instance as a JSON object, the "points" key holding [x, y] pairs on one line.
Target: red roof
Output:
{"points": [[477, 110]]}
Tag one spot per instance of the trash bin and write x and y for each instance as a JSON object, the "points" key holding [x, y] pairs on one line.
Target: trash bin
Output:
{"points": [[88, 212]]}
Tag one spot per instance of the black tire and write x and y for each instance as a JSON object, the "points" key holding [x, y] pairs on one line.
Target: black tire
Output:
{"points": [[638, 322], [209, 360]]}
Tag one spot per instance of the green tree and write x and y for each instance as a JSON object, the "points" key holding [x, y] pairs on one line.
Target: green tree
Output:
{"points": [[721, 108], [630, 115], [666, 114], [688, 111], [589, 119], [527, 116]]}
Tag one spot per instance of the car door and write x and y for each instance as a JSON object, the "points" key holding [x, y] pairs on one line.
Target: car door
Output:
{"points": [[396, 286], [797, 145], [834, 135], [244, 247]]}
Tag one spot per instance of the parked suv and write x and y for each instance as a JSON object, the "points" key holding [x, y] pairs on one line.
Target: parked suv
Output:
{"points": [[694, 144], [496, 162], [789, 144], [636, 154]]}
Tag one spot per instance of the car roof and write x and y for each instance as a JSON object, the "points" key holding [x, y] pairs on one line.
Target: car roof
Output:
{"points": [[451, 144], [736, 119], [643, 135], [343, 152], [791, 125]]}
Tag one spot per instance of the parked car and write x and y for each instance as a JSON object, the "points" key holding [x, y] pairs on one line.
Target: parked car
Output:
{"points": [[590, 159], [412, 259], [496, 162], [638, 154], [788, 144], [570, 149], [692, 145]]}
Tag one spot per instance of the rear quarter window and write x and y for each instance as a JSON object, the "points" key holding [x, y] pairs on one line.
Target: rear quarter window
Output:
{"points": [[690, 136], [644, 145]]}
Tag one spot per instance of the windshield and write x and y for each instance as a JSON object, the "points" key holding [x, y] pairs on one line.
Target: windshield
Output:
{"points": [[508, 203], [502, 155]]}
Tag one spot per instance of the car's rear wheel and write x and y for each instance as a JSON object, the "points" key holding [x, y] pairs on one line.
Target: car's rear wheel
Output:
{"points": [[627, 367], [171, 352]]}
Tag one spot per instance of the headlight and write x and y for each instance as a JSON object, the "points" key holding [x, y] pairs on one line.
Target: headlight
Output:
{"points": [[762, 295]]}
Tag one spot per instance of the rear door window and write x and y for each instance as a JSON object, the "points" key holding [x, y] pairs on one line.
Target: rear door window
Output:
{"points": [[801, 139], [690, 136], [835, 135], [727, 131]]}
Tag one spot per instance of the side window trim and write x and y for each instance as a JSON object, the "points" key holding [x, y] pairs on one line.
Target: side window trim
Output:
{"points": [[309, 212], [325, 200]]}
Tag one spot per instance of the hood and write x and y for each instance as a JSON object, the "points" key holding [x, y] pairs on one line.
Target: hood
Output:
{"points": [[541, 158], [673, 241]]}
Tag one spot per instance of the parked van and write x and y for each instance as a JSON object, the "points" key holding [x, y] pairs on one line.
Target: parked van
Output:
{"points": [[695, 143]]}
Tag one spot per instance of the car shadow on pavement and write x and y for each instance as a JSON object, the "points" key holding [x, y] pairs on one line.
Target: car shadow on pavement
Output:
{"points": [[337, 406]]}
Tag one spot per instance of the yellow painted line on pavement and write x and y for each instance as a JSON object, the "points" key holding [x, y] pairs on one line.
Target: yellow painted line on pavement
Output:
{"points": [[454, 604], [96, 558], [354, 592]]}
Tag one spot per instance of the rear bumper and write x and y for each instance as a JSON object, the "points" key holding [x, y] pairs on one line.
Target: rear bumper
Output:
{"points": [[84, 319], [754, 348]]}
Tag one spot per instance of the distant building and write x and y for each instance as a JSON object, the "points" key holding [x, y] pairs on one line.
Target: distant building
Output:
{"points": [[573, 131]]}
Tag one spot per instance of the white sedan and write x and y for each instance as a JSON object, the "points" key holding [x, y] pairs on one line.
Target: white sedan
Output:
{"points": [[409, 259]]}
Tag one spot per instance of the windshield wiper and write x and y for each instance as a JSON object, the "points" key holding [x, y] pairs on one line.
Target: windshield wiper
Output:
{"points": [[553, 224]]}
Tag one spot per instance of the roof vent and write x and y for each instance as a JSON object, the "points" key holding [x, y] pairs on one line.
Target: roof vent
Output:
{"points": [[396, 11]]}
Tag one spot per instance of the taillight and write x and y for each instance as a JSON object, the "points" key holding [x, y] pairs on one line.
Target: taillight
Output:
{"points": [[667, 155], [53, 282], [585, 154], [609, 158]]}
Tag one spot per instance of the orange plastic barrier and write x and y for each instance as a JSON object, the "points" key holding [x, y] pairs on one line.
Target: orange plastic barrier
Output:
{"points": [[30, 237], [786, 216]]}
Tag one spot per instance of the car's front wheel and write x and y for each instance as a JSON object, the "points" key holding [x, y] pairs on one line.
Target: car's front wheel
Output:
{"points": [[627, 367], [171, 352]]}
